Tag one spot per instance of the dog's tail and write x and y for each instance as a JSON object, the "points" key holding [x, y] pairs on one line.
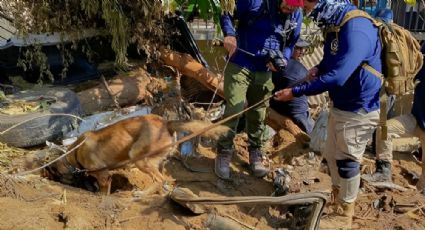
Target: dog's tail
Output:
{"points": [[197, 126]]}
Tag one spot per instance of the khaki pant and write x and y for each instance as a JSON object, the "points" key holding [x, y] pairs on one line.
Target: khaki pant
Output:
{"points": [[348, 134], [242, 87], [401, 126]]}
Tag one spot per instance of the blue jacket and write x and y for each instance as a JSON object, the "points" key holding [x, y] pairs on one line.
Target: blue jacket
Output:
{"points": [[350, 86], [294, 72], [418, 109], [257, 30]]}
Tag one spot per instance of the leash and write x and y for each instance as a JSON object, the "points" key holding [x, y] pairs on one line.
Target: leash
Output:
{"points": [[190, 136], [184, 139], [240, 49], [51, 162]]}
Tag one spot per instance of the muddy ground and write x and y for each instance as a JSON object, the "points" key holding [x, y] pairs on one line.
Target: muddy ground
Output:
{"points": [[34, 202]]}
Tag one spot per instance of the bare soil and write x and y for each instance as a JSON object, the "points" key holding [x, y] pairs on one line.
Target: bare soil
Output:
{"points": [[34, 202]]}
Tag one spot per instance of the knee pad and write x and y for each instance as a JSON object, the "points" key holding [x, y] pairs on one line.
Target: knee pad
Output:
{"points": [[348, 168]]}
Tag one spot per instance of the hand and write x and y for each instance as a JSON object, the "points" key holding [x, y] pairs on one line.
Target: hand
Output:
{"points": [[230, 44], [284, 95], [271, 67], [312, 73]]}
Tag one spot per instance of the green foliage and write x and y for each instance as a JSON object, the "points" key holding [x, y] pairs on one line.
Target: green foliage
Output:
{"points": [[205, 9], [33, 56], [126, 21], [118, 26]]}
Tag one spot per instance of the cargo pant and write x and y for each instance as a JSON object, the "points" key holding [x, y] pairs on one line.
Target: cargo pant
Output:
{"points": [[243, 87], [401, 126], [347, 136]]}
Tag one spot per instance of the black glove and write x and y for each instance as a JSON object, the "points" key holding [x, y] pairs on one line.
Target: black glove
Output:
{"points": [[276, 58]]}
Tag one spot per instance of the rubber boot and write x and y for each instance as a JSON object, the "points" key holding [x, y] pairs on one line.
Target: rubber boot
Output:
{"points": [[256, 163], [382, 173], [222, 163]]}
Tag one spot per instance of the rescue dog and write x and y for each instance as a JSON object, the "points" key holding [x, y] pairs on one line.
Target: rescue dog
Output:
{"points": [[123, 141]]}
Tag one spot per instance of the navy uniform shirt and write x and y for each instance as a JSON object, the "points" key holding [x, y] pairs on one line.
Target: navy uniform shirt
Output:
{"points": [[351, 87], [257, 30]]}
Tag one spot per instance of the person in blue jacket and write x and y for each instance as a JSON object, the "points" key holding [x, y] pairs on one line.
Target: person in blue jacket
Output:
{"points": [[354, 92], [407, 125], [266, 33], [296, 109]]}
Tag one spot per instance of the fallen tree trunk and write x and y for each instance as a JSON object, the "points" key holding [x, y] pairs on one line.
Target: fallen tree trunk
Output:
{"points": [[277, 121], [128, 90], [189, 67]]}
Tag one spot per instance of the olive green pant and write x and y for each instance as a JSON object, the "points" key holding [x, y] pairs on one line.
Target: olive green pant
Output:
{"points": [[245, 88]]}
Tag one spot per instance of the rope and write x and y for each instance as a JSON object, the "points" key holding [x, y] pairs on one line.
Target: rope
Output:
{"points": [[184, 159], [51, 162], [192, 135], [219, 82], [184, 139]]}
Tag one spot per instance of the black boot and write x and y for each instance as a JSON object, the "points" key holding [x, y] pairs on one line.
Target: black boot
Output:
{"points": [[382, 173], [256, 163], [222, 163]]}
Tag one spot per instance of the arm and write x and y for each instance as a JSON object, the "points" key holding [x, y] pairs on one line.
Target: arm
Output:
{"points": [[226, 22], [289, 46], [349, 58]]}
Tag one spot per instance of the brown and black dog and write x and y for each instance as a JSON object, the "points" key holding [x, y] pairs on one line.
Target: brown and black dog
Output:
{"points": [[120, 142]]}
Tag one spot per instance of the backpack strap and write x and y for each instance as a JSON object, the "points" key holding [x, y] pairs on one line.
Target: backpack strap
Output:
{"points": [[350, 15], [355, 14], [373, 71], [382, 126]]}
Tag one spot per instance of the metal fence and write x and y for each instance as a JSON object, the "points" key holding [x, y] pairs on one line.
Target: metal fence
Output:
{"points": [[410, 17]]}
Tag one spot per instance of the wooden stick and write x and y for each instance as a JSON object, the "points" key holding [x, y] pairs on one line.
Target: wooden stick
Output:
{"points": [[114, 97], [414, 210], [239, 222]]}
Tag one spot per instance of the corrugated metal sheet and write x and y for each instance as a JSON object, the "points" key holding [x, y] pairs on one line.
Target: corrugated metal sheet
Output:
{"points": [[313, 59], [315, 102], [8, 38], [6, 31]]}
